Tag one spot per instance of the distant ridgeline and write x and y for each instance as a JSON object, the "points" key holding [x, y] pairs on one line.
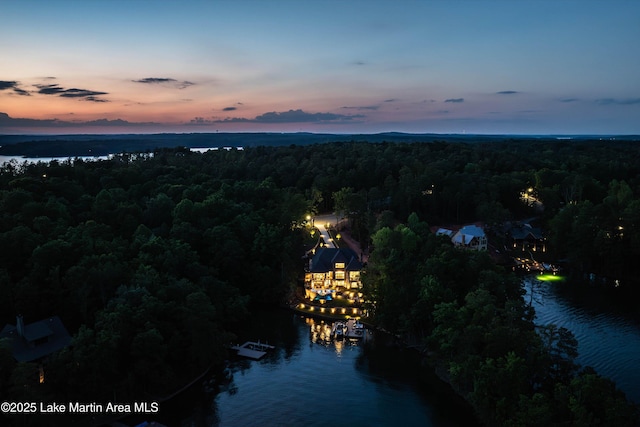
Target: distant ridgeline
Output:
{"points": [[101, 145]]}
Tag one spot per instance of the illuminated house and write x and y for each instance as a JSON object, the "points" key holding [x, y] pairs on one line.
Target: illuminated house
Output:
{"points": [[333, 269], [36, 340], [525, 237], [470, 237]]}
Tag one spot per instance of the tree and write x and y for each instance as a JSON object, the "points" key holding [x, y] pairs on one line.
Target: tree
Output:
{"points": [[560, 348]]}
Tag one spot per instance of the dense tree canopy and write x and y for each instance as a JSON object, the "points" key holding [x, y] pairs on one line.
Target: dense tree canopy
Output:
{"points": [[151, 258]]}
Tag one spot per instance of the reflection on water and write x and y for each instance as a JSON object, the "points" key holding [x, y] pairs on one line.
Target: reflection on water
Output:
{"points": [[608, 337], [314, 379]]}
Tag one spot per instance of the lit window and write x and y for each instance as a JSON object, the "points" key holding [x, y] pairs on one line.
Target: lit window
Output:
{"points": [[339, 264], [340, 275]]}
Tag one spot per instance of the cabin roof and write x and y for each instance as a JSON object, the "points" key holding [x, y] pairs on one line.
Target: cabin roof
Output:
{"points": [[27, 348]]}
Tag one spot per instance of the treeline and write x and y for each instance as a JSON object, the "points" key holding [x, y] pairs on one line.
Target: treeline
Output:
{"points": [[149, 262], [150, 258], [480, 336]]}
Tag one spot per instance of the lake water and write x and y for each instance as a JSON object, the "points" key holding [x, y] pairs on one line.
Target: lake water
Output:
{"points": [[310, 380], [608, 333]]}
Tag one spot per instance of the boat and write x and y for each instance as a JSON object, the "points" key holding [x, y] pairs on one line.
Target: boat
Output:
{"points": [[338, 330], [355, 329]]}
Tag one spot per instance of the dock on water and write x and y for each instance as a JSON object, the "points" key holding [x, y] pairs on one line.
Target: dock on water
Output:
{"points": [[252, 350], [355, 329]]}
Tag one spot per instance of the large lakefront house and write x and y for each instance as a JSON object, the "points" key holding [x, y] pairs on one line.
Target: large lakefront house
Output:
{"points": [[332, 271]]}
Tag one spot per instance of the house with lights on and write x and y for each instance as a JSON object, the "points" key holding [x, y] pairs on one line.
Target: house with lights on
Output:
{"points": [[525, 237], [333, 272]]}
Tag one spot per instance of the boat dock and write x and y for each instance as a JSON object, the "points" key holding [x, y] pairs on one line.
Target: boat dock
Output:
{"points": [[252, 350]]}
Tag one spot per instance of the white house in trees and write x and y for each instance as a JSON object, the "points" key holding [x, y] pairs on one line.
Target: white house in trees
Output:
{"points": [[470, 237]]}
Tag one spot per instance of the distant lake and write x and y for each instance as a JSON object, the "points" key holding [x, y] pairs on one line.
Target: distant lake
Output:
{"points": [[21, 159]]}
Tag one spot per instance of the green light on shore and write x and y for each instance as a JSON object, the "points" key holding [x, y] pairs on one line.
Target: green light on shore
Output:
{"points": [[550, 278]]}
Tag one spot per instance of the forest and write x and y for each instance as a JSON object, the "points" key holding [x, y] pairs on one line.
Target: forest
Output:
{"points": [[150, 259]]}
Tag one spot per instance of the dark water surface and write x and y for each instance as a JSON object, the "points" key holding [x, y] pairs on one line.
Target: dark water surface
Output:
{"points": [[311, 380], [608, 333]]}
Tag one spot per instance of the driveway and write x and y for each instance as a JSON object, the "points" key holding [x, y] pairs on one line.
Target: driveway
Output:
{"points": [[321, 222]]}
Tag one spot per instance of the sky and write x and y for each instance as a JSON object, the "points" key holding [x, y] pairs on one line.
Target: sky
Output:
{"points": [[328, 66]]}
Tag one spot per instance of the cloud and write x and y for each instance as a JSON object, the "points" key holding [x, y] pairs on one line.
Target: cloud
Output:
{"points": [[229, 109], [49, 89], [9, 122], [80, 93], [94, 99], [4, 85], [363, 108], [164, 81], [155, 80], [454, 100], [507, 92], [7, 85], [55, 89], [615, 101], [201, 121], [295, 116], [567, 100], [21, 91], [390, 100], [115, 122]]}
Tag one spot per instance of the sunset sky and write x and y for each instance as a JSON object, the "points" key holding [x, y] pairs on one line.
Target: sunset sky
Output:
{"points": [[350, 66]]}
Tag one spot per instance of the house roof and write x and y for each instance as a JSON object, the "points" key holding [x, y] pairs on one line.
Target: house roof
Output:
{"points": [[444, 231], [466, 234], [26, 349], [525, 231], [472, 230], [325, 259]]}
